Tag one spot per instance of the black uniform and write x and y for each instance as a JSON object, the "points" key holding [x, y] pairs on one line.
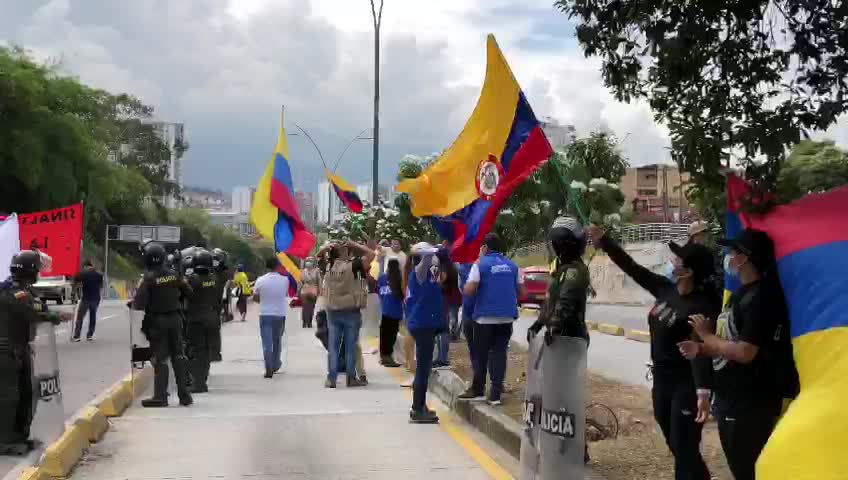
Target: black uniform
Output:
{"points": [[224, 313], [564, 313], [203, 325], [160, 295], [675, 378], [20, 311]]}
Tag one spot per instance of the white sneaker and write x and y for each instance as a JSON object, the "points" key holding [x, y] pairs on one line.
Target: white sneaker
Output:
{"points": [[76, 339], [407, 383], [89, 339], [495, 403]]}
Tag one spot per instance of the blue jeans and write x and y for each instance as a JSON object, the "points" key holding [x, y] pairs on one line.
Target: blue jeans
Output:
{"points": [[443, 347], [424, 340], [343, 324], [271, 328], [453, 320], [491, 342], [89, 306]]}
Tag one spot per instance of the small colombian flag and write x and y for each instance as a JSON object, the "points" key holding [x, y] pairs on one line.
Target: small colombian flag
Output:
{"points": [[346, 192]]}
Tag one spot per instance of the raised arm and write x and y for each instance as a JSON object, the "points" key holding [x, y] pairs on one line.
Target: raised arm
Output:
{"points": [[646, 279]]}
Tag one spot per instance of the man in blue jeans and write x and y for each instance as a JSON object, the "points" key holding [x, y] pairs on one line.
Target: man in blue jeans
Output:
{"points": [[495, 281], [271, 291], [92, 282]]}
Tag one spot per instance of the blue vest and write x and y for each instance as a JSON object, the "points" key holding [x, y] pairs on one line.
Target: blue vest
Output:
{"points": [[497, 294], [425, 304], [391, 304]]}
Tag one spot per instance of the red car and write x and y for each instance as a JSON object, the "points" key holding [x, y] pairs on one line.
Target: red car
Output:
{"points": [[536, 280]]}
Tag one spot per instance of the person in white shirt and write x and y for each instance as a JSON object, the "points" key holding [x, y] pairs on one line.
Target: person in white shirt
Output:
{"points": [[271, 291]]}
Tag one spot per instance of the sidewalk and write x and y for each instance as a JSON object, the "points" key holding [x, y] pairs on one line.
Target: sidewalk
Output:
{"points": [[289, 427]]}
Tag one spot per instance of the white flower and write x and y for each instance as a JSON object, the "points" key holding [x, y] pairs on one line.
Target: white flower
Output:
{"points": [[591, 189], [613, 186], [545, 203], [597, 181], [506, 211], [612, 218], [578, 185], [535, 209]]}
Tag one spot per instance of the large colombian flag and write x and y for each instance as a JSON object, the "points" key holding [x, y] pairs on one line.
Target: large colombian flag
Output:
{"points": [[811, 246], [275, 213], [346, 192], [501, 145]]}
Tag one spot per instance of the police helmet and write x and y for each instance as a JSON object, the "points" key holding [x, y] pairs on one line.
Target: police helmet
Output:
{"points": [[567, 238], [25, 266], [219, 259], [202, 261], [154, 255]]}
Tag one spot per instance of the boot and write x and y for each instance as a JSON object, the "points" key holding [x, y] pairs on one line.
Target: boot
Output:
{"points": [[186, 399], [154, 402], [356, 382], [388, 362], [200, 389], [423, 416]]}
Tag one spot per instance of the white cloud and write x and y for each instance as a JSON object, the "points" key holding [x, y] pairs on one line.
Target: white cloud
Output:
{"points": [[224, 67]]}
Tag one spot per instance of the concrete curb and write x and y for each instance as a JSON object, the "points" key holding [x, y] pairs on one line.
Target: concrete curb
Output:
{"points": [[90, 424], [611, 329], [639, 336]]}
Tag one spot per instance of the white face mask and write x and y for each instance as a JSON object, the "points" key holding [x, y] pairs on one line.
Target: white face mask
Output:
{"points": [[668, 272]]}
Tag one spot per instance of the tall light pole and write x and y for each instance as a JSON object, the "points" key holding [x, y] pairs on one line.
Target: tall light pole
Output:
{"points": [[377, 16]]}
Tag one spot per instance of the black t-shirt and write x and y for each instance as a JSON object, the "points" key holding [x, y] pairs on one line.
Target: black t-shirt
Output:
{"points": [[753, 318], [668, 320], [92, 282]]}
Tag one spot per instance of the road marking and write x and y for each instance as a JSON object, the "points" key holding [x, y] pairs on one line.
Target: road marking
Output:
{"points": [[457, 432], [107, 317]]}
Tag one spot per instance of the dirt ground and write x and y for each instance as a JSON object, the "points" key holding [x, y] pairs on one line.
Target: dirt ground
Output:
{"points": [[639, 451]]}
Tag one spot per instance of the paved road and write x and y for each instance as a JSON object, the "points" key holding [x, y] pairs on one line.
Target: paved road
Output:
{"points": [[614, 357], [631, 317], [87, 368], [286, 427]]}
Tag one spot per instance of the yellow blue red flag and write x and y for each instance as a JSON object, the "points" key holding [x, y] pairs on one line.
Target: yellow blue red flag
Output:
{"points": [[811, 246], [290, 270], [275, 212], [501, 145], [346, 192]]}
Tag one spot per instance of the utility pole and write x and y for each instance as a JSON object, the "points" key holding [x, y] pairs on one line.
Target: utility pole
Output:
{"points": [[377, 16]]}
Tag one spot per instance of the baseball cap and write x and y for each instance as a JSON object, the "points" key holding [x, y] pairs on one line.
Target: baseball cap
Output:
{"points": [[697, 227], [423, 248], [696, 257], [754, 244]]}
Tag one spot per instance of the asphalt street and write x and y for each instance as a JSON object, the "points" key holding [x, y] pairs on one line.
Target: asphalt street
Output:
{"points": [[86, 369]]}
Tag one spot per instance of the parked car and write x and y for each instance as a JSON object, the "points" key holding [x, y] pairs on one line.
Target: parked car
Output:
{"points": [[536, 281], [60, 289]]}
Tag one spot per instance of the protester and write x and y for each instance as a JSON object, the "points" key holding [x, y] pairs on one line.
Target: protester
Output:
{"points": [[453, 299], [407, 342], [751, 351], [243, 291], [494, 279], [91, 282], [425, 316], [310, 290], [389, 286], [681, 389], [345, 295], [271, 291], [394, 251], [467, 312], [371, 313], [698, 232]]}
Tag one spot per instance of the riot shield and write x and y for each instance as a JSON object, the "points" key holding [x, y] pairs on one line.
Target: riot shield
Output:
{"points": [[44, 394], [529, 458], [140, 351], [562, 422]]}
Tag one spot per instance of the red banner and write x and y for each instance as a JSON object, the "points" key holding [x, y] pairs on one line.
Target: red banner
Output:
{"points": [[57, 233]]}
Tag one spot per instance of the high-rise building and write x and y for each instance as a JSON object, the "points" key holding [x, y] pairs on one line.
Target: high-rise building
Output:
{"points": [[656, 193], [306, 205], [243, 199], [173, 135], [559, 135]]}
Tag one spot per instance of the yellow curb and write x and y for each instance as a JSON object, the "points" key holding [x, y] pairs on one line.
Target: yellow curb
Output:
{"points": [[140, 381], [93, 424], [117, 400], [33, 473], [592, 325], [639, 336], [61, 456], [611, 329]]}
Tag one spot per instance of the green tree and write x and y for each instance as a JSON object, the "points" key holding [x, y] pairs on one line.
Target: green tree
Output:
{"points": [[600, 155], [738, 79], [812, 167]]}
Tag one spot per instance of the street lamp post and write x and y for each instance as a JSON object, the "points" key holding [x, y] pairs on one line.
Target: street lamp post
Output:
{"points": [[377, 16]]}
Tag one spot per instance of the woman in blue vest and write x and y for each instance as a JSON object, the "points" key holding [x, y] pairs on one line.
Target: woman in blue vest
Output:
{"points": [[391, 303], [425, 318]]}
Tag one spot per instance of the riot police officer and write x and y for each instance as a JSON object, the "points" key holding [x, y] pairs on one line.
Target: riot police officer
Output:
{"points": [[160, 295], [20, 311], [564, 312], [221, 271], [203, 313]]}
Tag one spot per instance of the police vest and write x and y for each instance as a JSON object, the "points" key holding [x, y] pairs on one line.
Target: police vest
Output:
{"points": [[425, 304], [206, 296], [496, 294]]}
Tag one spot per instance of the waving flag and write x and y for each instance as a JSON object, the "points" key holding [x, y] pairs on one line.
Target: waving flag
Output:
{"points": [[346, 192], [811, 245], [290, 270], [274, 212], [736, 190], [501, 145]]}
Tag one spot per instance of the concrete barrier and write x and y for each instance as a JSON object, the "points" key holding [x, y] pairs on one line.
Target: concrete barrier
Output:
{"points": [[611, 329], [92, 423], [639, 336]]}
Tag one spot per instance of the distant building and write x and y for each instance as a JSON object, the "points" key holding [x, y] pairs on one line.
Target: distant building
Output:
{"points": [[306, 205], [236, 221], [656, 193], [559, 135], [243, 199], [173, 135], [327, 194], [199, 197]]}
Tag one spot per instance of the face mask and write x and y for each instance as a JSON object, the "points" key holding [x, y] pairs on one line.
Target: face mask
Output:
{"points": [[309, 264], [727, 268]]}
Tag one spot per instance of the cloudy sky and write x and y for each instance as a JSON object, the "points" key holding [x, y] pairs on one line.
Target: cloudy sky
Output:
{"points": [[224, 67]]}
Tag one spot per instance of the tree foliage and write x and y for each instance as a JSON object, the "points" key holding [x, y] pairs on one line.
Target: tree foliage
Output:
{"points": [[812, 167], [729, 78], [599, 155]]}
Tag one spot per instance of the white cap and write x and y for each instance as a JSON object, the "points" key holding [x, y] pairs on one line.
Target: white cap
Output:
{"points": [[697, 227], [423, 248]]}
